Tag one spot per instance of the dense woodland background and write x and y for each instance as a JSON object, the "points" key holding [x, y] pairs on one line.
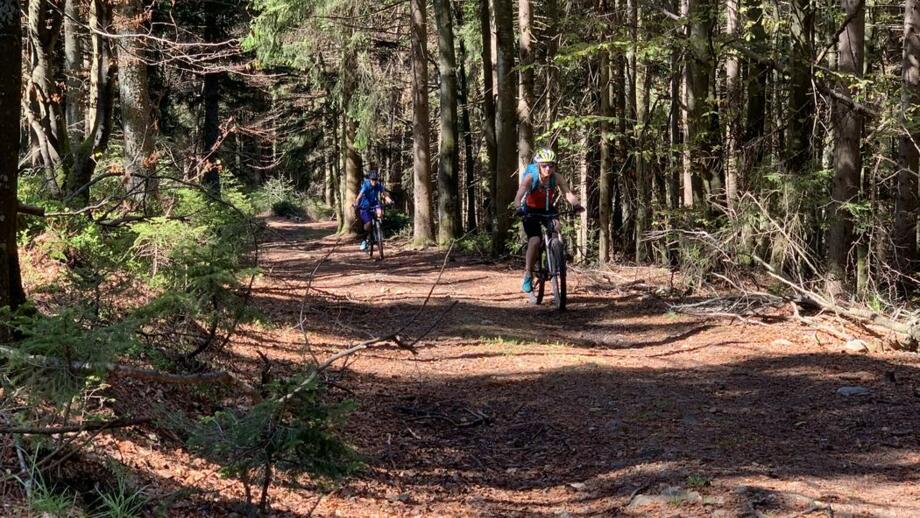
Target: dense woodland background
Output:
{"points": [[770, 147]]}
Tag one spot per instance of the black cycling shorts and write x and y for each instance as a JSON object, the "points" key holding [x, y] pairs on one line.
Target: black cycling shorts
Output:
{"points": [[532, 225]]}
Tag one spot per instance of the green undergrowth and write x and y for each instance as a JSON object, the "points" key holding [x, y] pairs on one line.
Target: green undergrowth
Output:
{"points": [[163, 289]]}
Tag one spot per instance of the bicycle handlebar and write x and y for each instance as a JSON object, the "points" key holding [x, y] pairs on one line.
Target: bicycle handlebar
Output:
{"points": [[550, 215]]}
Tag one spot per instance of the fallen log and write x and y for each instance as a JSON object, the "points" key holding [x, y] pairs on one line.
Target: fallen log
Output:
{"points": [[22, 208]]}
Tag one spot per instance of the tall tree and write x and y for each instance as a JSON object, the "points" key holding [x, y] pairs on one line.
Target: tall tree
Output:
{"points": [[465, 130], [93, 111], [847, 158], [526, 86], [904, 236], [755, 87], [449, 222], [505, 124], [644, 172], [11, 293], [45, 118], [800, 113], [210, 94], [136, 110], [605, 173], [488, 113], [703, 134], [733, 103], [423, 227]]}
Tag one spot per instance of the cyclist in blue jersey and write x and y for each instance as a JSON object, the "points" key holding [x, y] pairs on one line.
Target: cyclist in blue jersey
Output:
{"points": [[536, 195], [368, 202]]}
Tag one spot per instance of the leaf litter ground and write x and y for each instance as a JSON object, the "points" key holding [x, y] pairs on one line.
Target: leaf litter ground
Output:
{"points": [[617, 407]]}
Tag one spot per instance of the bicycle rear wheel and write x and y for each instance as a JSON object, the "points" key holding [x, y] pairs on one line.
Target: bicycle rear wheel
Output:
{"points": [[378, 237], [557, 273]]}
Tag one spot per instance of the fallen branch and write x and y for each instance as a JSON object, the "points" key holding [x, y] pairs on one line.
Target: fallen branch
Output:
{"points": [[909, 332], [394, 337], [22, 208], [85, 427]]}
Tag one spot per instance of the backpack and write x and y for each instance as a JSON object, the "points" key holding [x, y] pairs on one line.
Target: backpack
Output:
{"points": [[532, 172]]}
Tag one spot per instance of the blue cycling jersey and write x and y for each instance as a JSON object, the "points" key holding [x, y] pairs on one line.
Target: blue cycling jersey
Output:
{"points": [[371, 194]]}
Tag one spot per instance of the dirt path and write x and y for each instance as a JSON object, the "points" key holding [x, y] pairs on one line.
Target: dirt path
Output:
{"points": [[616, 407]]}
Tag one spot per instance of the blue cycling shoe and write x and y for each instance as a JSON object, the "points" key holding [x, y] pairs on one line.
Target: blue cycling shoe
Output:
{"points": [[363, 245], [527, 285]]}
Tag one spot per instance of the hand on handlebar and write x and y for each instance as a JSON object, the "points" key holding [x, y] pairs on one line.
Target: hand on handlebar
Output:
{"points": [[520, 211], [578, 208]]}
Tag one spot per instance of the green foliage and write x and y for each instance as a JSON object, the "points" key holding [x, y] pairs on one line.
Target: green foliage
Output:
{"points": [[123, 501], [292, 431], [479, 243], [201, 262], [395, 223], [50, 344], [45, 501], [288, 209]]}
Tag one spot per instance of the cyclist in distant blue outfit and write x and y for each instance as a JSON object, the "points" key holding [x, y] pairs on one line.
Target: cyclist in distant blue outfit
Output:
{"points": [[368, 202]]}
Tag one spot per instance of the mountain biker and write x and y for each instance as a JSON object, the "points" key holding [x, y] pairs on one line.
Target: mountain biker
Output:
{"points": [[368, 202], [536, 195]]}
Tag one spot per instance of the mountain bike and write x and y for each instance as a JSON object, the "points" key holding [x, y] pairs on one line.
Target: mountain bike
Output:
{"points": [[375, 239], [550, 261]]}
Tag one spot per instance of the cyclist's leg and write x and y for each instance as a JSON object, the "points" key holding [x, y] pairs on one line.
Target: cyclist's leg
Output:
{"points": [[533, 250]]}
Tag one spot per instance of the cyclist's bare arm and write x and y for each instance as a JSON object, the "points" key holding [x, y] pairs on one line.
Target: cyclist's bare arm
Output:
{"points": [[522, 191], [564, 189]]}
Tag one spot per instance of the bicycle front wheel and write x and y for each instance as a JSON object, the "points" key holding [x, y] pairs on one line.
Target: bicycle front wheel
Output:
{"points": [[557, 273], [378, 237]]}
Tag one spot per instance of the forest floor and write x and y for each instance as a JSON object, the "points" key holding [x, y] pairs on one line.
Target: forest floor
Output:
{"points": [[617, 407]]}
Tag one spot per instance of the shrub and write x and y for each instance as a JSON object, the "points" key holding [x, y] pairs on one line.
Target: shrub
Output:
{"points": [[288, 209]]}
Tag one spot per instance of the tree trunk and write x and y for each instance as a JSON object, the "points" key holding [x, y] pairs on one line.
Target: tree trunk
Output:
{"points": [[733, 107], [351, 169], [847, 158], [644, 171], [702, 139], [11, 293], [468, 163], [674, 194], [92, 138], [526, 86], [210, 96], [505, 124], [74, 72], [687, 178], [904, 235], [488, 116], [619, 239], [800, 114], [449, 222], [605, 174], [45, 119], [755, 86], [551, 9], [423, 228], [351, 180], [136, 110]]}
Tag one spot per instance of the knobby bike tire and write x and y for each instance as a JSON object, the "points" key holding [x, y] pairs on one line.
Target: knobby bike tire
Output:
{"points": [[378, 237], [557, 273]]}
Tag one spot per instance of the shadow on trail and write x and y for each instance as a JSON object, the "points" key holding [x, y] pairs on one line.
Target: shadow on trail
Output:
{"points": [[611, 326], [617, 430]]}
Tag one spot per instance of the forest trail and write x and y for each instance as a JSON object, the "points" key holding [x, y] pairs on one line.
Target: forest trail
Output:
{"points": [[616, 407]]}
